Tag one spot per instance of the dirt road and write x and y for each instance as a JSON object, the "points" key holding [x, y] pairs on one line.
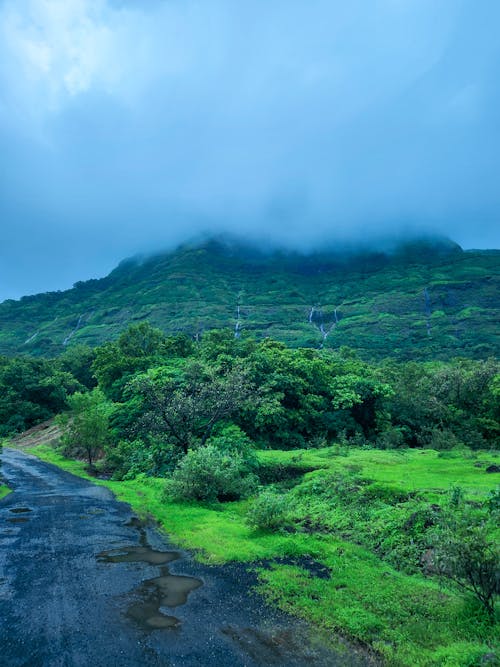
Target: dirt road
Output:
{"points": [[82, 583]]}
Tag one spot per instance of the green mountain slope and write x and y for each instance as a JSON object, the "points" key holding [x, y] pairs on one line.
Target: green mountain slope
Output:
{"points": [[425, 300]]}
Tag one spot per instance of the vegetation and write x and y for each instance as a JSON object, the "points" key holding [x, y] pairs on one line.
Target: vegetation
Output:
{"points": [[87, 433], [207, 473], [269, 511], [422, 301], [336, 476], [325, 576], [31, 391], [467, 553]]}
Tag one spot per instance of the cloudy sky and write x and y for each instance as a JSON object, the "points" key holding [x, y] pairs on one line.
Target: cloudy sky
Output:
{"points": [[130, 125]]}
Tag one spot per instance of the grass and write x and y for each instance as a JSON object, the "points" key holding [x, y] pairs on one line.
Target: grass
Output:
{"points": [[4, 490], [410, 470], [406, 618]]}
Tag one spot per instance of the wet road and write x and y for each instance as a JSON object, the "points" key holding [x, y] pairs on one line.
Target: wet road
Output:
{"points": [[84, 584]]}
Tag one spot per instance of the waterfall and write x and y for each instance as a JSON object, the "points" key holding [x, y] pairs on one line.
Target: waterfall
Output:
{"points": [[31, 338], [237, 325], [72, 333]]}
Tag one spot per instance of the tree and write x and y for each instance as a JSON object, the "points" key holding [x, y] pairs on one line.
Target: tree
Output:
{"points": [[32, 390], [141, 340], [77, 360], [187, 412], [139, 347], [88, 426]]}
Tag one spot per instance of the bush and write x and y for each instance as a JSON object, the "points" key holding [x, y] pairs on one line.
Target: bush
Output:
{"points": [[392, 437], [378, 491], [231, 439], [269, 511], [210, 474], [441, 439], [150, 456], [466, 554]]}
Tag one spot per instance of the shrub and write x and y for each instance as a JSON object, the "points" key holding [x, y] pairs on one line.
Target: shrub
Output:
{"points": [[209, 474], [150, 456], [493, 502], [391, 438], [466, 553], [391, 495], [269, 511], [231, 439], [441, 439]]}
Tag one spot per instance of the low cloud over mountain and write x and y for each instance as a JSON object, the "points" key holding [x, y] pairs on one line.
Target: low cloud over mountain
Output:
{"points": [[129, 126]]}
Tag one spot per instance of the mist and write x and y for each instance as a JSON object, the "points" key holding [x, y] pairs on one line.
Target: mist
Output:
{"points": [[130, 126]]}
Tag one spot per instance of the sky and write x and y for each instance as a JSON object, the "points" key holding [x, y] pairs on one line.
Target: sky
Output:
{"points": [[128, 126]]}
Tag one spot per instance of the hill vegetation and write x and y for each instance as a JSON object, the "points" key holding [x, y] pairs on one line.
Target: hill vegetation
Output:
{"points": [[424, 300], [365, 491], [362, 484]]}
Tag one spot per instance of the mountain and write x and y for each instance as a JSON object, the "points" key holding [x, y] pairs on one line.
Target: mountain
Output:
{"points": [[421, 300]]}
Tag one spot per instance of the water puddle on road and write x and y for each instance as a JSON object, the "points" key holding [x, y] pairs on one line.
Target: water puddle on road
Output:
{"points": [[174, 589], [132, 554], [20, 510], [166, 591]]}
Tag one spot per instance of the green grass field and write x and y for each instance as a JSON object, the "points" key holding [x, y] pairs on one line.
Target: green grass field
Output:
{"points": [[408, 619]]}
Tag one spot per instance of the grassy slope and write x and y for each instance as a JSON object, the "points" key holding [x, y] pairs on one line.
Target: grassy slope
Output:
{"points": [[4, 489], [408, 619], [379, 301]]}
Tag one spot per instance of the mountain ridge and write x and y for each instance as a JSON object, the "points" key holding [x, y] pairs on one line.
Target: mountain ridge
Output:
{"points": [[424, 299]]}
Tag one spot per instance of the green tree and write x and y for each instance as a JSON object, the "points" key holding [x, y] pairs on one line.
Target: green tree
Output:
{"points": [[31, 391], [186, 411], [77, 360], [139, 347], [88, 432]]}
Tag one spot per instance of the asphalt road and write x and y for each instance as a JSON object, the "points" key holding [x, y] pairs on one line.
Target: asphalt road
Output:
{"points": [[84, 584]]}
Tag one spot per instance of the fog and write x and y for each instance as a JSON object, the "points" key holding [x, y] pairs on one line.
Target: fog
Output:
{"points": [[131, 126]]}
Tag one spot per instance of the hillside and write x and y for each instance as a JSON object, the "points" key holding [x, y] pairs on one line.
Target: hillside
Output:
{"points": [[424, 300]]}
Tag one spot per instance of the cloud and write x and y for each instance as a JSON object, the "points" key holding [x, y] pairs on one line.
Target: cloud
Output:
{"points": [[126, 125], [59, 49]]}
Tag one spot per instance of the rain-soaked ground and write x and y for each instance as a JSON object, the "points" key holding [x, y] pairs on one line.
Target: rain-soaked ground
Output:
{"points": [[83, 583]]}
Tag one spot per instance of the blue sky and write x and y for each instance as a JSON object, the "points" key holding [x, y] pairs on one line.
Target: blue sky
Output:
{"points": [[128, 126]]}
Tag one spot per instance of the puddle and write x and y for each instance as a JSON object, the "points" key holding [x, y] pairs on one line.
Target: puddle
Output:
{"points": [[20, 510], [133, 554], [149, 617], [174, 589], [167, 590]]}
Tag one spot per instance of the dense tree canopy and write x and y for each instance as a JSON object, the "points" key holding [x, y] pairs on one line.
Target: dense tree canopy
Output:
{"points": [[176, 391]]}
